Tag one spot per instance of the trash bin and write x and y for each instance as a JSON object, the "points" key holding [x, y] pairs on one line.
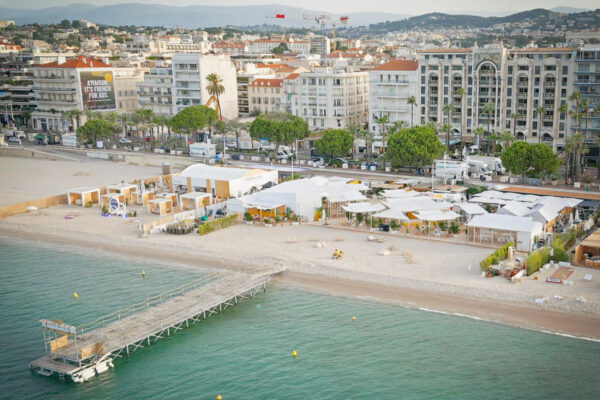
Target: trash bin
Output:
{"points": [[166, 168]]}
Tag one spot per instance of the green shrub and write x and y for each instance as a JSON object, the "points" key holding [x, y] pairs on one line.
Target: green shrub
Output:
{"points": [[537, 260], [498, 255], [214, 225], [247, 216], [454, 228]]}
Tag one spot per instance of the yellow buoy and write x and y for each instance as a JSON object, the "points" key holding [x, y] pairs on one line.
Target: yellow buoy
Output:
{"points": [[294, 354], [75, 295], [353, 318], [143, 274], [219, 397]]}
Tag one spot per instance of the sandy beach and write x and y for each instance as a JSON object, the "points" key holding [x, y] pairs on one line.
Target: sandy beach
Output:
{"points": [[418, 272]]}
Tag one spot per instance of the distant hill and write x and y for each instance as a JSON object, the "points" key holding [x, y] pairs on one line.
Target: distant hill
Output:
{"points": [[539, 18], [568, 10], [187, 16]]}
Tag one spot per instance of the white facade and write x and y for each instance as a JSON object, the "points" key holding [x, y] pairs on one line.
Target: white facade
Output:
{"points": [[263, 46], [154, 92], [265, 95], [125, 88], [189, 81], [328, 98], [391, 85]]}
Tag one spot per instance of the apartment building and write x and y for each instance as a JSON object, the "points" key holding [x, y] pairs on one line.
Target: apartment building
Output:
{"points": [[512, 81], [16, 85], [587, 82], [230, 48], [154, 92], [79, 83], [263, 46], [264, 95], [328, 98], [391, 85], [189, 81], [126, 80]]}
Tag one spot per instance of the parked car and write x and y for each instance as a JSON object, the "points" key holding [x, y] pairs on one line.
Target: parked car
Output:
{"points": [[14, 139], [318, 160], [125, 141]]}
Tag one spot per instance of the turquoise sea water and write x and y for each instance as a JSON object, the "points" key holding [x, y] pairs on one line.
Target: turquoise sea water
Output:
{"points": [[245, 352]]}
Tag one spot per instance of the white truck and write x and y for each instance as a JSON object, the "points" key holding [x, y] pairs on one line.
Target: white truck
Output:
{"points": [[478, 167], [494, 163], [451, 169]]}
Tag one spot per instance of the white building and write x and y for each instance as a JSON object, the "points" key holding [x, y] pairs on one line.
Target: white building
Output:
{"points": [[79, 83], [125, 88], [155, 91], [265, 95], [230, 48], [328, 98], [391, 84], [189, 81], [264, 46]]}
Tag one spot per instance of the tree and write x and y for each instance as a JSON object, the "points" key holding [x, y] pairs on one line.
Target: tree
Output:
{"points": [[488, 109], [74, 116], [235, 126], [575, 146], [461, 93], [478, 132], [412, 101], [356, 133], [506, 139], [542, 160], [280, 49], [279, 128], [514, 117], [448, 108], [335, 143], [516, 158], [369, 137], [383, 121], [96, 129], [540, 111], [215, 88], [193, 119], [414, 147]]}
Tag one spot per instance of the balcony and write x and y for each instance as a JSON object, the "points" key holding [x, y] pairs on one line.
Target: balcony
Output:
{"points": [[49, 79]]}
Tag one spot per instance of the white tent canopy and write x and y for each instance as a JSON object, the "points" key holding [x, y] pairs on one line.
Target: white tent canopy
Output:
{"points": [[364, 207], [436, 215], [400, 193], [416, 204], [471, 208], [392, 214]]}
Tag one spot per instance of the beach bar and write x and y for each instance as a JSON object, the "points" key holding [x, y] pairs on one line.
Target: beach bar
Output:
{"points": [[83, 196], [587, 254]]}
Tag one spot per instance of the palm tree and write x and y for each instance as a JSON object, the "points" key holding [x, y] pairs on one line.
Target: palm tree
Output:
{"points": [[564, 109], [493, 139], [369, 137], [448, 108], [478, 132], [383, 121], [74, 116], [514, 117], [540, 111], [356, 133], [488, 109], [215, 88], [506, 138], [145, 116], [597, 141], [576, 143], [412, 101], [235, 126], [461, 92]]}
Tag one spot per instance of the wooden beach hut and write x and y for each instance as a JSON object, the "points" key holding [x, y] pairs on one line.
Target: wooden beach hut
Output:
{"points": [[194, 200], [83, 196], [161, 206]]}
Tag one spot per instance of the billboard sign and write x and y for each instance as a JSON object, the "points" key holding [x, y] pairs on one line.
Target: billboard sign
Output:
{"points": [[97, 90]]}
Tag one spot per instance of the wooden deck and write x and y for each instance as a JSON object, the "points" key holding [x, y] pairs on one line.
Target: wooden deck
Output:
{"points": [[145, 322]]}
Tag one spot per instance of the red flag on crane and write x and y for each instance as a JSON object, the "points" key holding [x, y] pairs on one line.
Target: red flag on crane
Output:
{"points": [[280, 16]]}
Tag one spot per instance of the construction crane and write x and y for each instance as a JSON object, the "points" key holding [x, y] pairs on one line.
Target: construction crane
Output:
{"points": [[277, 16], [215, 101], [342, 21], [322, 21]]}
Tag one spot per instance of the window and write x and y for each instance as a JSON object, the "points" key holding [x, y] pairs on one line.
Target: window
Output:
{"points": [[510, 69], [509, 80], [537, 70], [509, 92]]}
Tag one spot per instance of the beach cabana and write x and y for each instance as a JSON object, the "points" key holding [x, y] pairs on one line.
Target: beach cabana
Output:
{"points": [[129, 190], [364, 208], [400, 193], [434, 216], [391, 214], [107, 197], [160, 206], [587, 254], [172, 196], [83, 196], [194, 200], [145, 196], [498, 229]]}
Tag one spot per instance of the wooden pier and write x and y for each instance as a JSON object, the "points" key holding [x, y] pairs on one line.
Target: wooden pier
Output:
{"points": [[81, 352]]}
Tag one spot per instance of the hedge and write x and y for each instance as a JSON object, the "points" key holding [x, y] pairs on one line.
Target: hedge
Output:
{"points": [[216, 224], [499, 255], [541, 257], [537, 260]]}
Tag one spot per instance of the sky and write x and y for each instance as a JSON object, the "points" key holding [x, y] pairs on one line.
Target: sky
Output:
{"points": [[344, 6]]}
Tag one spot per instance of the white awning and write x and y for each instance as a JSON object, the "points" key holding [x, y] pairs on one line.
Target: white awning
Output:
{"points": [[364, 207], [392, 214], [435, 215]]}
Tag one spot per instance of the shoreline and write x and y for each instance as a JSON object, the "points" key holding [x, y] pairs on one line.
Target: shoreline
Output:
{"points": [[582, 326]]}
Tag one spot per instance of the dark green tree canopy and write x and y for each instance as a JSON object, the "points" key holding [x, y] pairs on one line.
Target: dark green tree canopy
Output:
{"points": [[192, 119], [335, 142], [95, 129], [278, 128], [414, 147], [538, 158]]}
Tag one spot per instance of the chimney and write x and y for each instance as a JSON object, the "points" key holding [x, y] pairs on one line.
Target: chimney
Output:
{"points": [[61, 60]]}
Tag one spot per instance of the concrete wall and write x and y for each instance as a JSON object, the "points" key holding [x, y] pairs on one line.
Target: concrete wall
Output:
{"points": [[22, 152], [20, 208]]}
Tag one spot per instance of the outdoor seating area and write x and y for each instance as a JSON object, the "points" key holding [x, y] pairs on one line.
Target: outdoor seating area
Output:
{"points": [[128, 190], [83, 196], [194, 200], [160, 206]]}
